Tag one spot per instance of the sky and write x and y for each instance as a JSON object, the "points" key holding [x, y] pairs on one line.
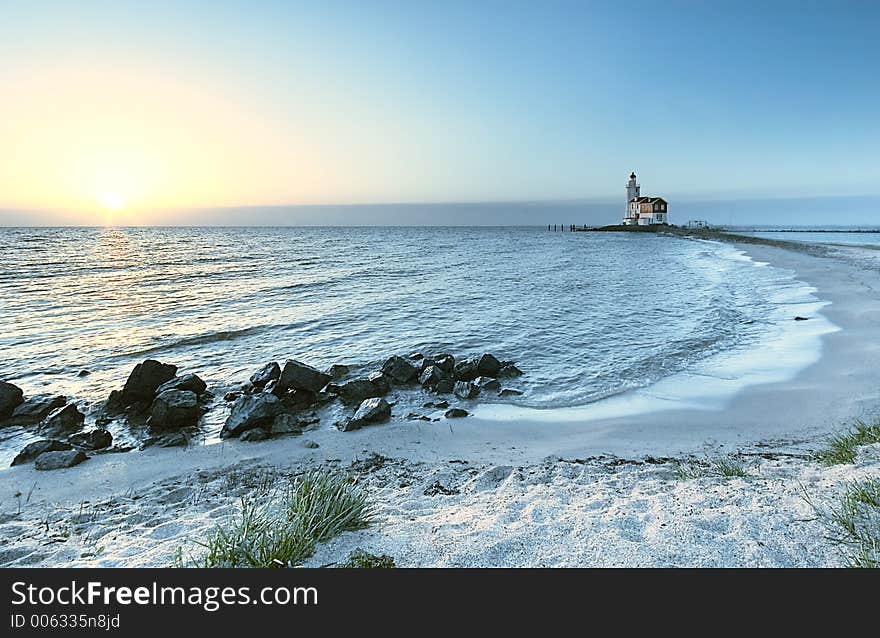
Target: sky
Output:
{"points": [[122, 112]]}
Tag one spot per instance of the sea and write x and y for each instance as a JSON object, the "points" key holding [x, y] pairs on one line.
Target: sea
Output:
{"points": [[586, 316]]}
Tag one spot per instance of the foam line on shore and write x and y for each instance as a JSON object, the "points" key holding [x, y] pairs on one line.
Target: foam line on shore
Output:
{"points": [[785, 349]]}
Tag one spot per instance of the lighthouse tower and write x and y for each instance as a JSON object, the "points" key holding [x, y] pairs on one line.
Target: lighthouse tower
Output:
{"points": [[632, 190]]}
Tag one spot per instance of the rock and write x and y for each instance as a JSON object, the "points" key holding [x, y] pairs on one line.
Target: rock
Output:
{"points": [[299, 376], [456, 413], [488, 366], [375, 410], [416, 356], [97, 439], [35, 409], [269, 372], [144, 380], [299, 399], [801, 318], [488, 384], [83, 373], [399, 369], [310, 444], [381, 382], [174, 409], [172, 439], [439, 405], [337, 371], [231, 395], [286, 424], [33, 450], [62, 422], [510, 392], [466, 370], [432, 376], [251, 411], [508, 371], [11, 397], [188, 382], [466, 390], [446, 362], [60, 459], [254, 434], [445, 386], [357, 390]]}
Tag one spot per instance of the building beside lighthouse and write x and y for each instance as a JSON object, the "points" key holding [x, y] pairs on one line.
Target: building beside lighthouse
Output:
{"points": [[643, 211]]}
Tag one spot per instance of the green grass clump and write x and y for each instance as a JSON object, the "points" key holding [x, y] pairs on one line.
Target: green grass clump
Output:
{"points": [[723, 467], [283, 531], [842, 448], [854, 523], [359, 559]]}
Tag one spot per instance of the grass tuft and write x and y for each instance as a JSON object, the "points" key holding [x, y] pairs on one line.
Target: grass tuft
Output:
{"points": [[723, 467], [360, 559], [854, 523], [843, 448], [283, 531]]}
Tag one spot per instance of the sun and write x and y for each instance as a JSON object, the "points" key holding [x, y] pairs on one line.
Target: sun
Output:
{"points": [[112, 202]]}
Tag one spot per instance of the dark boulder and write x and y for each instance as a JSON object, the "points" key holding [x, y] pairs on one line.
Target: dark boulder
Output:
{"points": [[188, 382], [288, 424], [33, 450], [232, 395], [356, 390], [466, 390], [174, 409], [97, 439], [254, 434], [445, 386], [60, 459], [337, 371], [488, 366], [400, 370], [269, 372], [456, 413], [381, 381], [144, 380], [437, 405], [299, 376], [432, 376], [510, 392], [374, 410], [508, 370], [62, 422], [488, 384], [11, 397], [446, 362], [172, 439], [466, 370], [35, 409], [299, 399], [251, 411]]}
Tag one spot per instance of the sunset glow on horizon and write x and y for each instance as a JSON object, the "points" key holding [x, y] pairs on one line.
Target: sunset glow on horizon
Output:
{"points": [[133, 111]]}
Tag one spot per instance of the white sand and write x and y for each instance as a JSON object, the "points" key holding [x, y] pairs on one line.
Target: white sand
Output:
{"points": [[138, 508]]}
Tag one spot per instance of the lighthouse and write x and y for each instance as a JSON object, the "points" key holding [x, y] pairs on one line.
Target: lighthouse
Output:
{"points": [[643, 211]]}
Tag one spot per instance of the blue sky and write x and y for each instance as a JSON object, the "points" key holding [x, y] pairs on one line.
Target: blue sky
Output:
{"points": [[487, 101]]}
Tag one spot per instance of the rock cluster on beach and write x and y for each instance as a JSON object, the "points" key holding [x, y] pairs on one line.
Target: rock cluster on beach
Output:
{"points": [[277, 400]]}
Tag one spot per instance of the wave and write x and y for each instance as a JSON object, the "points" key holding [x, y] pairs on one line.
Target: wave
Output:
{"points": [[202, 339]]}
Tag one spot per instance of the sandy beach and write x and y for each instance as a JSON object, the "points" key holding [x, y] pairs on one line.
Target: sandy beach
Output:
{"points": [[488, 491]]}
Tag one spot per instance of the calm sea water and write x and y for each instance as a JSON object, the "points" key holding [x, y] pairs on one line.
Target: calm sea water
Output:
{"points": [[586, 315]]}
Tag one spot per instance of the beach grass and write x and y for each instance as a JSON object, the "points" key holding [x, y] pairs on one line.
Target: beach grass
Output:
{"points": [[283, 530], [854, 522], [360, 559], [843, 448], [722, 467]]}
